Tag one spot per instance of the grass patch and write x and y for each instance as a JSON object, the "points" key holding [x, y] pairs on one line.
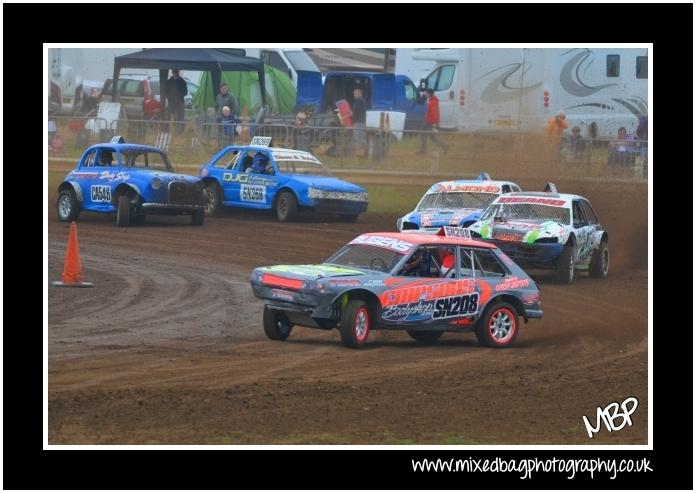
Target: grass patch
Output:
{"points": [[394, 198]]}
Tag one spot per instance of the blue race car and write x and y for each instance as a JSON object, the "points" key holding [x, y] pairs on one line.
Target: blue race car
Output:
{"points": [[456, 203], [131, 180], [285, 180]]}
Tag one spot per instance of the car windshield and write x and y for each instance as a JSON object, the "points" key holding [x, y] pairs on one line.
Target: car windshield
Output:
{"points": [[538, 212], [301, 167], [366, 257], [456, 200], [146, 160]]}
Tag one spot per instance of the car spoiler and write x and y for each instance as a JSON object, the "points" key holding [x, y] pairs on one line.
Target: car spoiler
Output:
{"points": [[550, 187], [484, 176]]}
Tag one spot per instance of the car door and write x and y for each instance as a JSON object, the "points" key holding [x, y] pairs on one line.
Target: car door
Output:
{"points": [[595, 229], [583, 232], [102, 182]]}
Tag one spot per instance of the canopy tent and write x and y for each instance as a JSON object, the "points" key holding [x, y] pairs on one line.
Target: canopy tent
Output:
{"points": [[280, 91], [204, 59]]}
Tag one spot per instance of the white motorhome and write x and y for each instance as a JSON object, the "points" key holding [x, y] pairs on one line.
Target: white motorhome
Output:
{"points": [[496, 89]]}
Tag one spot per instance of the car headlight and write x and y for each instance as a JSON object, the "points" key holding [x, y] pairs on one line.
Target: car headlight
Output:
{"points": [[317, 193], [156, 183]]}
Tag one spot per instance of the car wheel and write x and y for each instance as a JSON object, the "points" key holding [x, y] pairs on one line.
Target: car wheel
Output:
{"points": [[276, 324], [355, 324], [123, 211], [286, 206], [599, 265], [197, 217], [498, 326], [212, 199], [67, 207], [425, 335], [349, 218], [566, 266]]}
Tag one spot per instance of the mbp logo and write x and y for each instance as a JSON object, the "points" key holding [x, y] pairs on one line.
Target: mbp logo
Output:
{"points": [[610, 414]]}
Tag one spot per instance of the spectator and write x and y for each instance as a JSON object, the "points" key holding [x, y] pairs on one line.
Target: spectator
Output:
{"points": [[574, 147], [224, 99], [176, 91], [621, 150], [554, 131], [228, 124], [642, 135], [359, 111], [431, 123]]}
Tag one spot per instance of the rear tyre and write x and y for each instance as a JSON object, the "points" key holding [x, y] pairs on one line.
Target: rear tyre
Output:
{"points": [[123, 211], [198, 217], [276, 324], [425, 336], [498, 326], [355, 324], [286, 206], [599, 265], [67, 207], [566, 266]]}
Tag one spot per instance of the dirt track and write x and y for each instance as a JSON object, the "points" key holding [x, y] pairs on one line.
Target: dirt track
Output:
{"points": [[168, 347]]}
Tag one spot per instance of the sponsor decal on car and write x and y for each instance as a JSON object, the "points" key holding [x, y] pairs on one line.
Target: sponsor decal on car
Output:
{"points": [[532, 200], [381, 241], [108, 175], [282, 294], [512, 283], [456, 306], [426, 292], [453, 187]]}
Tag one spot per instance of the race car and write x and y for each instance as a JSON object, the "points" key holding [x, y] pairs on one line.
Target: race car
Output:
{"points": [[132, 180], [547, 230], [454, 203], [285, 180], [424, 284]]}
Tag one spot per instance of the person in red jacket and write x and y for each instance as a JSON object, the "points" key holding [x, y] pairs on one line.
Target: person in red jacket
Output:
{"points": [[431, 123]]}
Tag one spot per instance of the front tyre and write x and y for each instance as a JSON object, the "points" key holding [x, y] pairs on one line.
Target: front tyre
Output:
{"points": [[566, 266], [276, 324], [425, 336], [67, 206], [123, 211], [212, 199], [498, 326], [286, 206], [599, 265], [355, 324]]}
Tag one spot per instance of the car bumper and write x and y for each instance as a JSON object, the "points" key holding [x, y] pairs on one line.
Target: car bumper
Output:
{"points": [[180, 207], [536, 254], [302, 307], [338, 206], [534, 313]]}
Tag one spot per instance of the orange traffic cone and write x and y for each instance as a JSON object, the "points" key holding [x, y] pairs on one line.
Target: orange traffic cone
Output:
{"points": [[72, 269]]}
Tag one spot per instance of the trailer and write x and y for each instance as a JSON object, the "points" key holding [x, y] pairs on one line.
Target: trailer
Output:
{"points": [[506, 89]]}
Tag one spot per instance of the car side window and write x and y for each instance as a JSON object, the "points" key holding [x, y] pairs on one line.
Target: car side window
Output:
{"points": [[578, 215], [488, 264], [466, 262], [506, 188], [90, 159], [106, 157], [589, 213], [227, 160]]}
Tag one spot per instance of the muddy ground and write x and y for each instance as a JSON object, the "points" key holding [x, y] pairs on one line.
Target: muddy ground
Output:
{"points": [[168, 347]]}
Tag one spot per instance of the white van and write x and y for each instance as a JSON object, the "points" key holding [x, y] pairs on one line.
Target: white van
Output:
{"points": [[495, 89], [289, 61]]}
